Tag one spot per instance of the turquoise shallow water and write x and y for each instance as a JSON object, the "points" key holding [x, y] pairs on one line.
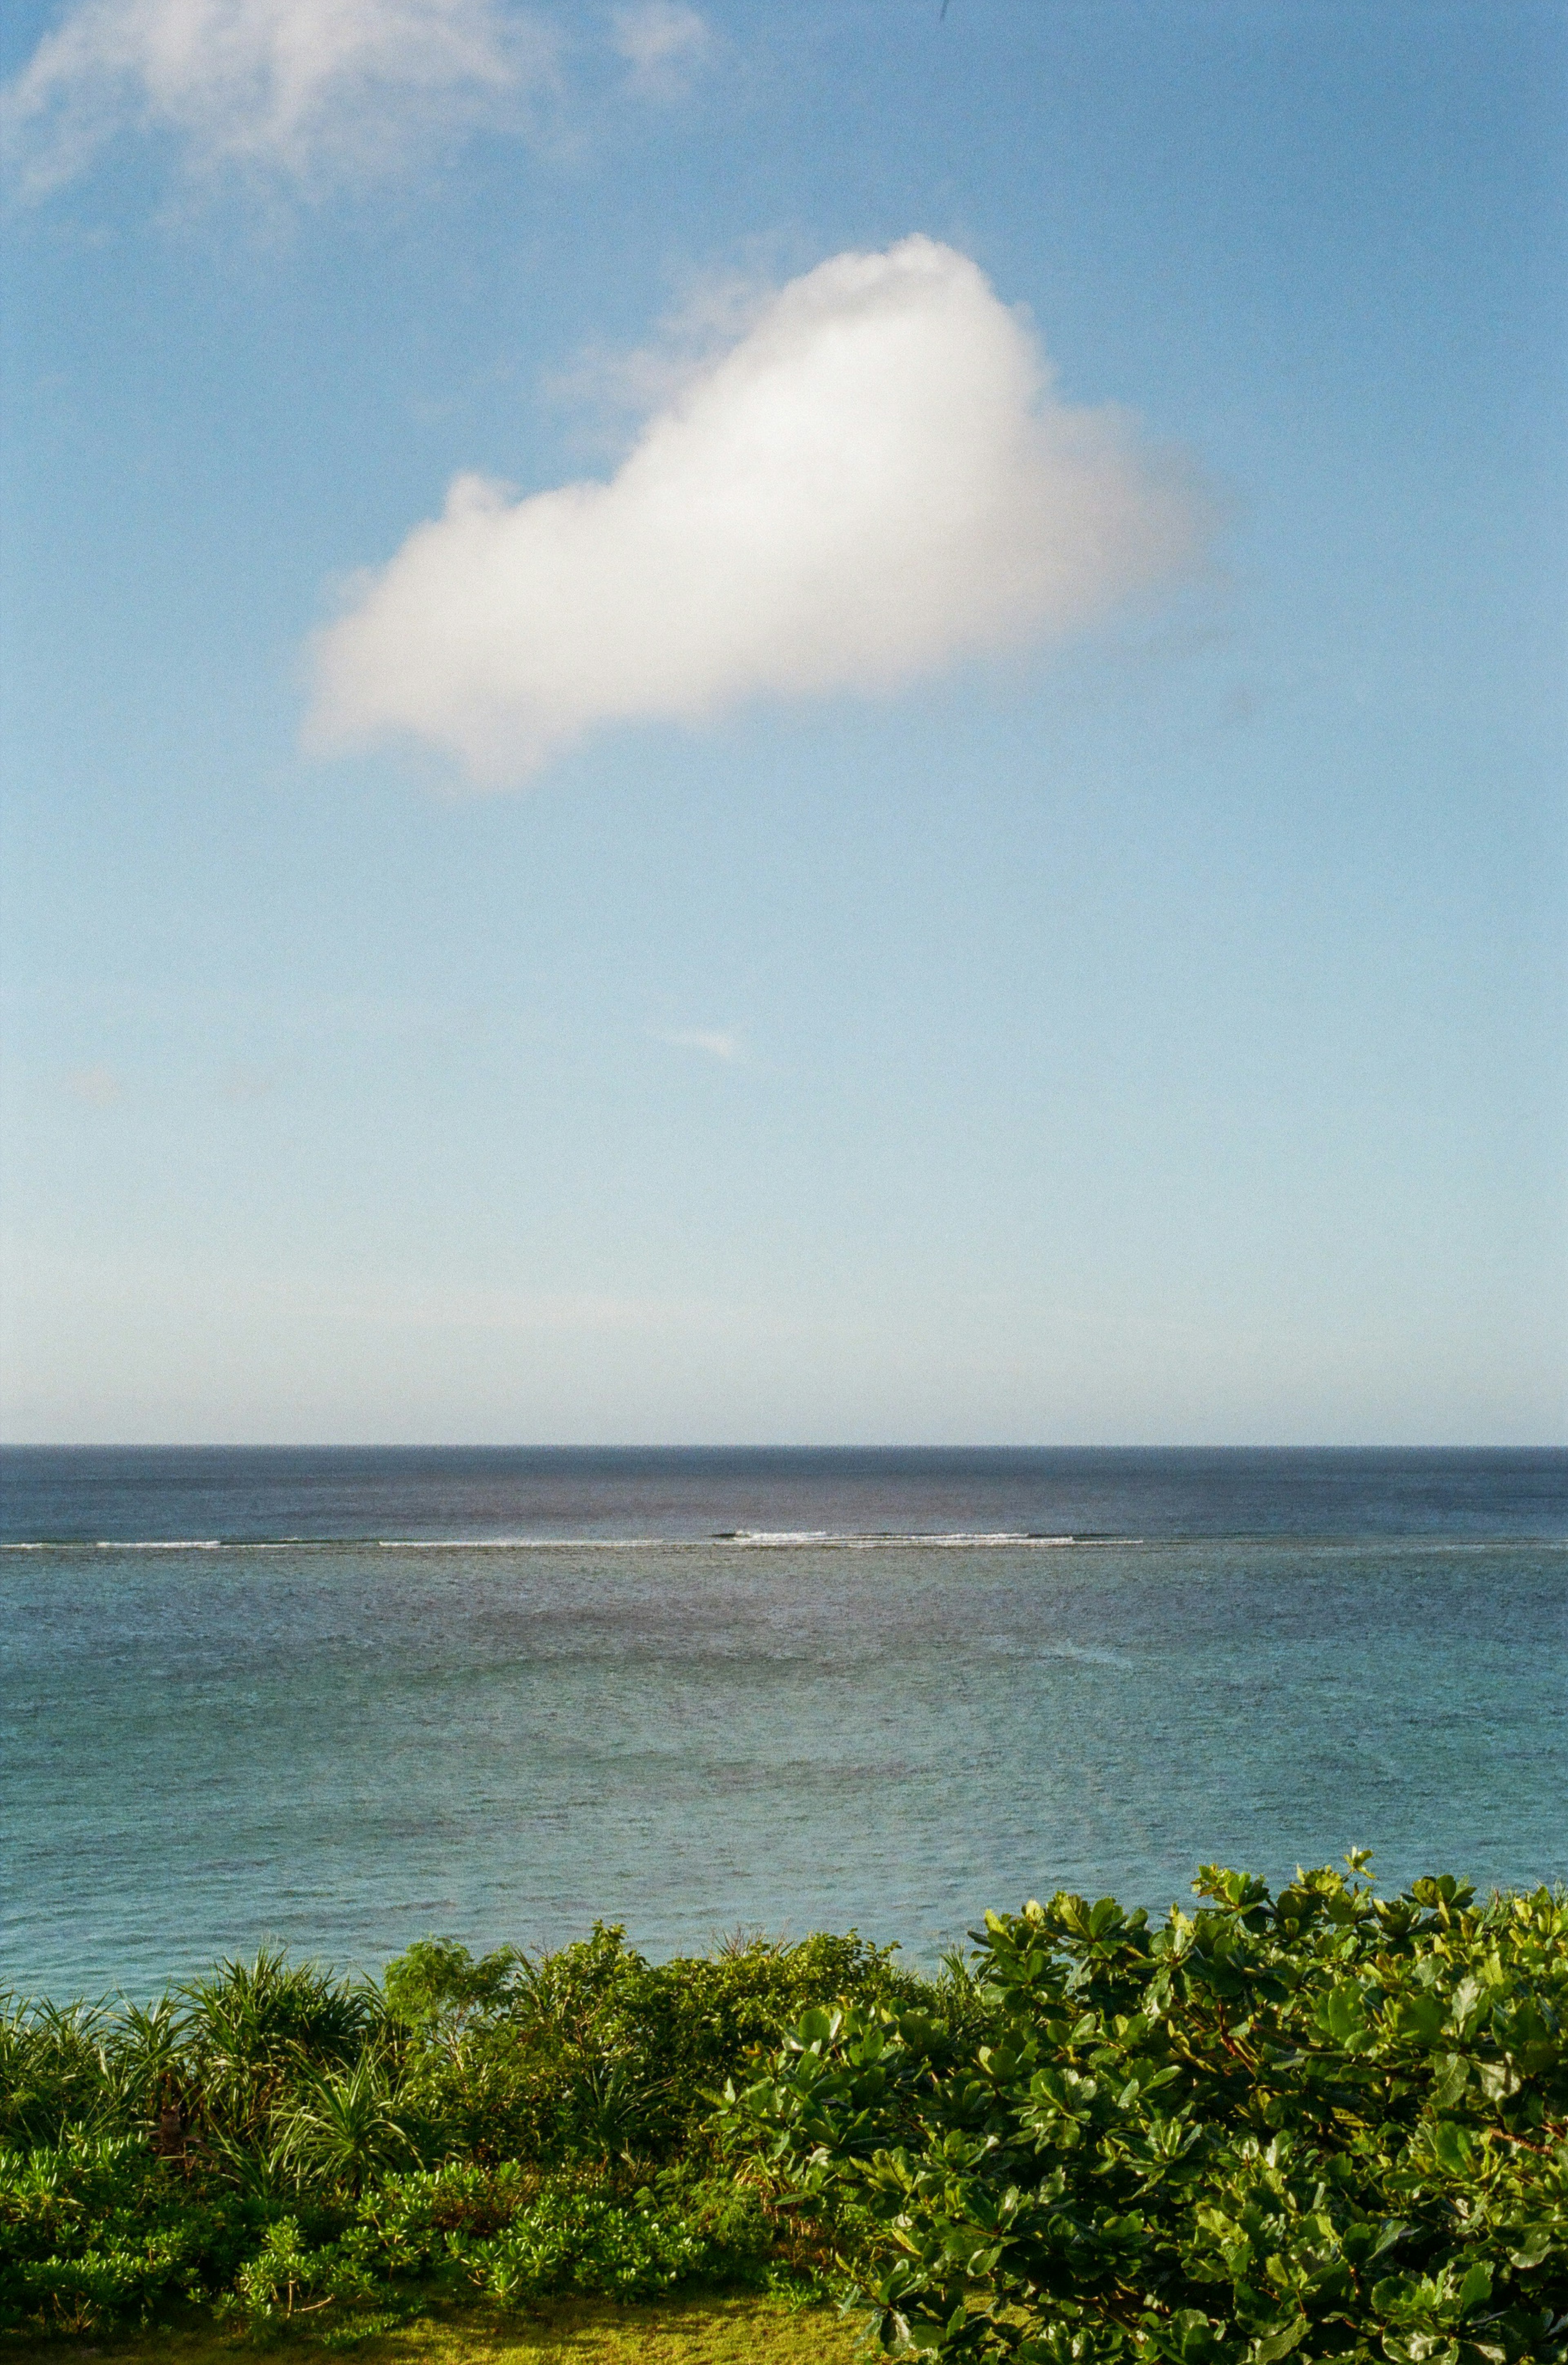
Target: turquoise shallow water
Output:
{"points": [[344, 1745]]}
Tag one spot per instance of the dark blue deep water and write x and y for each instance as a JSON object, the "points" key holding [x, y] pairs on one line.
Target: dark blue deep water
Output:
{"points": [[341, 1698]]}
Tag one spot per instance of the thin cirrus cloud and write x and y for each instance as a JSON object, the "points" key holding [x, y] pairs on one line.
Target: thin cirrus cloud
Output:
{"points": [[663, 43], [313, 90], [715, 1042], [875, 481]]}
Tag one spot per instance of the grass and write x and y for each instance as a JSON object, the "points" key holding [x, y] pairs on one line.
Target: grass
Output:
{"points": [[697, 2330]]}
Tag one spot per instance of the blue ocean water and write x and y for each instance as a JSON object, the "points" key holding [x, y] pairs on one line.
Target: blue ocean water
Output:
{"points": [[341, 1698]]}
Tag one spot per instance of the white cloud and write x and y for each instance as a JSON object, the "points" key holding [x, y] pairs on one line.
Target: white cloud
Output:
{"points": [[662, 41], [875, 481], [305, 87], [615, 385], [718, 1042]]}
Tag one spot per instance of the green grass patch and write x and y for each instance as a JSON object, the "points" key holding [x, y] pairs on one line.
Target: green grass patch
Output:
{"points": [[688, 2329]]}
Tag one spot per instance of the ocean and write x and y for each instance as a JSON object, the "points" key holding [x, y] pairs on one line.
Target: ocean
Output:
{"points": [[341, 1698]]}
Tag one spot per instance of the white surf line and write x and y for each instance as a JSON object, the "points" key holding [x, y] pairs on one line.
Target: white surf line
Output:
{"points": [[737, 1538]]}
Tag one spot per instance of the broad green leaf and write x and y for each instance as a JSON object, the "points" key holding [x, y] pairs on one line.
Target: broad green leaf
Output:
{"points": [[1452, 2147], [1476, 2287], [1278, 2344], [1453, 2078]]}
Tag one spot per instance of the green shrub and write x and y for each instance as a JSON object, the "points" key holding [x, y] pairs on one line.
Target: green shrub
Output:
{"points": [[93, 2229], [572, 2240], [57, 2073], [350, 2125], [593, 2055], [1319, 2127], [569, 2238], [413, 2224]]}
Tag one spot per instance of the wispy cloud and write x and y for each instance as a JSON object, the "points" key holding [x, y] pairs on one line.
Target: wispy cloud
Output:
{"points": [[718, 1042], [614, 388], [99, 1087], [875, 480], [308, 89], [664, 43]]}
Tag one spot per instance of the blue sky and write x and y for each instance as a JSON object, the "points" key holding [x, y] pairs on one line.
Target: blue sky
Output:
{"points": [[927, 1012]]}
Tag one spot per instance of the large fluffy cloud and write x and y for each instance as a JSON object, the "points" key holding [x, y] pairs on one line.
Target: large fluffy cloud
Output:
{"points": [[874, 481], [301, 86]]}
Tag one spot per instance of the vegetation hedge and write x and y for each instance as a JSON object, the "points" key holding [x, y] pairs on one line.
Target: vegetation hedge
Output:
{"points": [[1317, 2126]]}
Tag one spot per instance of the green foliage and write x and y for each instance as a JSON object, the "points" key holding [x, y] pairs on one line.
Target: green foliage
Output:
{"points": [[292, 2145], [55, 2073], [593, 2055], [254, 2032], [438, 1987], [1319, 2126], [413, 2224], [347, 2125], [91, 2228], [510, 2237], [289, 2276], [569, 2238]]}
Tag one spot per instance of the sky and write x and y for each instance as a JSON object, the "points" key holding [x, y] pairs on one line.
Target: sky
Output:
{"points": [[802, 723]]}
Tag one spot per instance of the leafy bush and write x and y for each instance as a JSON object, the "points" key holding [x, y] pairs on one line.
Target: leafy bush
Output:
{"points": [[510, 2238], [57, 2074], [411, 2225], [1317, 2126], [289, 2276], [1320, 2125], [293, 2144], [568, 2239], [595, 2054], [90, 2229]]}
